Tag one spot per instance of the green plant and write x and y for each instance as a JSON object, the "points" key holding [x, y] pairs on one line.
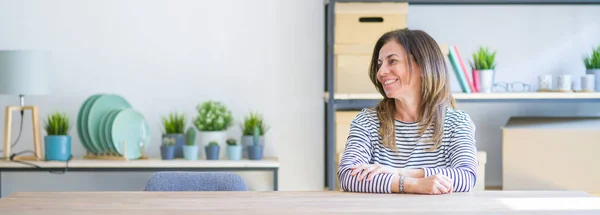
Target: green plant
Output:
{"points": [[57, 124], [231, 142], [483, 59], [190, 136], [593, 61], [174, 123], [213, 143], [168, 141], [213, 116], [252, 120]]}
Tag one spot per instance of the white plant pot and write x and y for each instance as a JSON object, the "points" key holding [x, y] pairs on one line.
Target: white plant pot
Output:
{"points": [[563, 83], [545, 83], [486, 80], [596, 73], [588, 83], [205, 137]]}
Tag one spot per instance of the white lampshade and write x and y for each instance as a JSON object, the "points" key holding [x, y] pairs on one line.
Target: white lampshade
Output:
{"points": [[23, 72]]}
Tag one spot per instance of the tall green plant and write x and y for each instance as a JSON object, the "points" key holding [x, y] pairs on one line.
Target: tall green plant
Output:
{"points": [[213, 116], [174, 123], [483, 59], [252, 120], [593, 61], [57, 124]]}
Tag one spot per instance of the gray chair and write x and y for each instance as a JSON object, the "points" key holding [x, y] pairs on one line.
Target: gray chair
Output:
{"points": [[195, 181]]}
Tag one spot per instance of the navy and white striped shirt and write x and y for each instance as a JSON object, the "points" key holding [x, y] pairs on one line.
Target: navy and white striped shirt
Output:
{"points": [[455, 158]]}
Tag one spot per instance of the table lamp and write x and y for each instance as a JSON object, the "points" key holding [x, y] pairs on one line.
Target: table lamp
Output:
{"points": [[22, 73]]}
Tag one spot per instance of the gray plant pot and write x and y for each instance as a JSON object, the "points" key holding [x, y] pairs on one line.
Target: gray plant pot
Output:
{"points": [[248, 141], [179, 143], [596, 73], [212, 152]]}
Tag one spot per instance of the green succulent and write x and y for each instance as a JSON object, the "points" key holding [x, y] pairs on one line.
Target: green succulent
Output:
{"points": [[213, 143], [231, 142], [253, 120], [174, 123], [213, 116], [57, 124], [593, 61], [190, 137], [483, 59]]}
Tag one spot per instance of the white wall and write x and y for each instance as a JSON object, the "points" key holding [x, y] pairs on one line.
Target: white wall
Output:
{"points": [[170, 55]]}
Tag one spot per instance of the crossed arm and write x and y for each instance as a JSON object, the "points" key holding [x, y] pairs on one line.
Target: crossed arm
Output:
{"points": [[357, 174]]}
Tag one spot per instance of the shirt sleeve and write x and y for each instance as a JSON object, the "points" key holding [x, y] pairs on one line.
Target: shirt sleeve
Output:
{"points": [[358, 151], [463, 159]]}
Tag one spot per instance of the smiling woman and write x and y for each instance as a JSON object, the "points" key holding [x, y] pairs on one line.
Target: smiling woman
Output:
{"points": [[414, 140]]}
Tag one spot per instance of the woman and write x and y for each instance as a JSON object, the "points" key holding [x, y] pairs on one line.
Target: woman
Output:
{"points": [[413, 141]]}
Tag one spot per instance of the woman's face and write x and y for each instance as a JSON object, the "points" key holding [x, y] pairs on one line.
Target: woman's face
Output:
{"points": [[393, 71]]}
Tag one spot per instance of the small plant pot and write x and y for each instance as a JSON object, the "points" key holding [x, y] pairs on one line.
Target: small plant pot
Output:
{"points": [[596, 73], [179, 143], [190, 152], [212, 152], [234, 152], [248, 140], [486, 80], [57, 147], [255, 152], [167, 152]]}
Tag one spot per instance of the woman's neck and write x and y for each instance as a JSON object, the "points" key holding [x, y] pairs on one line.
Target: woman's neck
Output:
{"points": [[407, 108]]}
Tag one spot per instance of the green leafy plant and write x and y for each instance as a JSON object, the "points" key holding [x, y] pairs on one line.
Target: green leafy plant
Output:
{"points": [[231, 142], [57, 124], [252, 120], [213, 116], [168, 141], [213, 143], [593, 61], [190, 136], [174, 123], [483, 59]]}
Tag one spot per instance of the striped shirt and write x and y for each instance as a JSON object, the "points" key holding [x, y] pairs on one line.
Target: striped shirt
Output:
{"points": [[455, 158]]}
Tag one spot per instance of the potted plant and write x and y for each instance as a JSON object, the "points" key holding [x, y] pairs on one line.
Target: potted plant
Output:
{"points": [[174, 125], [255, 150], [234, 151], [251, 121], [167, 149], [483, 66], [190, 150], [212, 150], [592, 66], [212, 122], [57, 143]]}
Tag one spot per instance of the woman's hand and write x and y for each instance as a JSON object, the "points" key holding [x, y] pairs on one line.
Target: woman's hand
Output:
{"points": [[435, 184], [371, 170]]}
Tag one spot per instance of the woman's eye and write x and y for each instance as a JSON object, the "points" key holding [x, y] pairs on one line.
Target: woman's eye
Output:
{"points": [[392, 61]]}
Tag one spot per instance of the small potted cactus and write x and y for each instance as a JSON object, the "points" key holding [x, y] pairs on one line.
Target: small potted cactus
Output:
{"points": [[190, 150], [234, 151], [167, 149], [212, 150], [57, 143]]}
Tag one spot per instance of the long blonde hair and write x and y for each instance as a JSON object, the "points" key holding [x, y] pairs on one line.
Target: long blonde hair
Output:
{"points": [[435, 85]]}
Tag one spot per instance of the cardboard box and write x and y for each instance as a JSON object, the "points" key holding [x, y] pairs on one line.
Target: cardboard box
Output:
{"points": [[551, 153], [365, 22]]}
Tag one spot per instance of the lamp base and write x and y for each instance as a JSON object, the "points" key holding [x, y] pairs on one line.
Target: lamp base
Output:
{"points": [[37, 146]]}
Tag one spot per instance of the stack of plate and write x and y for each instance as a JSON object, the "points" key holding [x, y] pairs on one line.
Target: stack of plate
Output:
{"points": [[107, 123]]}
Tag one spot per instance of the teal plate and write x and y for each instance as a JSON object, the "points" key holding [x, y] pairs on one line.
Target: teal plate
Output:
{"points": [[102, 130], [129, 126], [101, 107], [78, 126], [84, 111], [107, 130]]}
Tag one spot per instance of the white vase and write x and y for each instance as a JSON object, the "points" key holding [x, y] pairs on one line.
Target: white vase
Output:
{"points": [[563, 83], [588, 83], [486, 80], [596, 73], [205, 137], [545, 83]]}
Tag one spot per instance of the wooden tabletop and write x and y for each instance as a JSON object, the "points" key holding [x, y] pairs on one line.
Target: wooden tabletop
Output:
{"points": [[146, 163], [513, 202]]}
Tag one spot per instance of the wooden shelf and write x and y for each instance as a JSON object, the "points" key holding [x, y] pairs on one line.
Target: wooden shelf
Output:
{"points": [[483, 96]]}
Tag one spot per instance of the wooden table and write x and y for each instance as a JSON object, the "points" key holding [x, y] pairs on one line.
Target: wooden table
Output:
{"points": [[86, 165], [329, 202]]}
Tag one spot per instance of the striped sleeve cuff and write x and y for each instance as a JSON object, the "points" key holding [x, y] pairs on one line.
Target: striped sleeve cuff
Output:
{"points": [[381, 183], [463, 180]]}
